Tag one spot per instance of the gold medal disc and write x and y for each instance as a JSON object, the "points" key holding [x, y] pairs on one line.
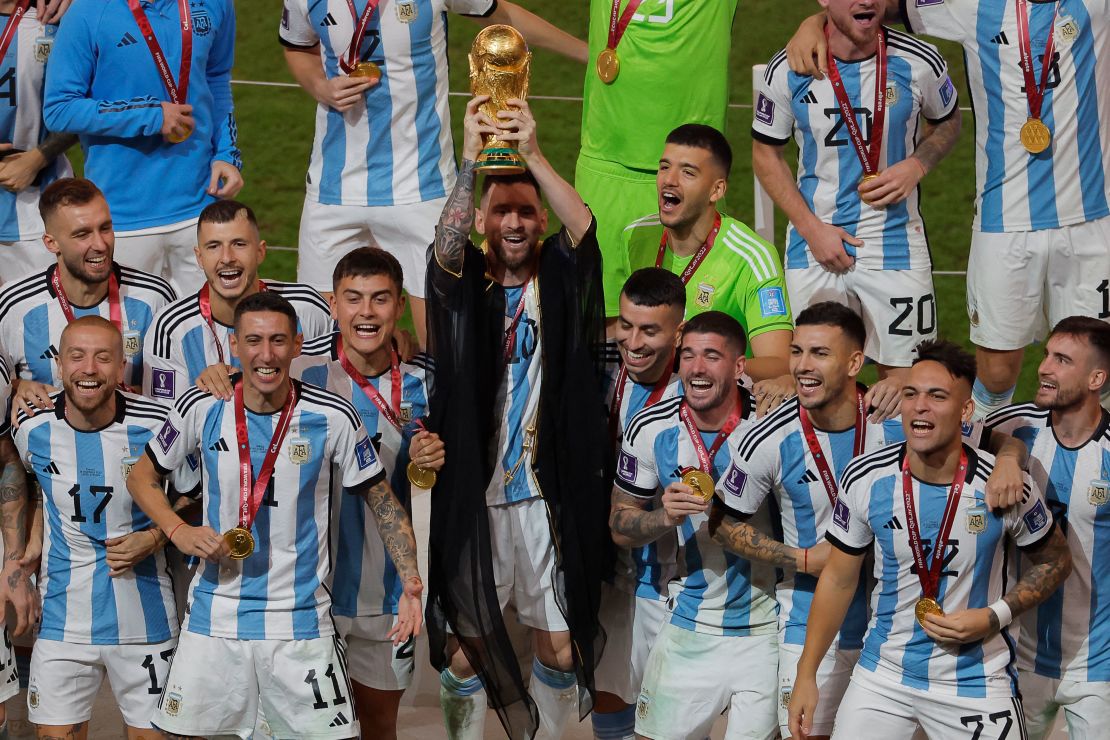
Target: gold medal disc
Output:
{"points": [[868, 178], [420, 477], [178, 138], [608, 66], [240, 542], [1035, 136], [701, 483], [369, 70], [924, 606]]}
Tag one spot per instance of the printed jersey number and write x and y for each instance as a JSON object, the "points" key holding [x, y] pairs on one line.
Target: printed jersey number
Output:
{"points": [[863, 119], [950, 553], [105, 494], [975, 723], [926, 316], [314, 682], [1053, 73], [7, 88], [149, 663], [1104, 291]]}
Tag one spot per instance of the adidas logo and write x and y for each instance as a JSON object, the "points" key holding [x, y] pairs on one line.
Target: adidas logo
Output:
{"points": [[329, 20], [219, 446], [127, 40], [50, 353], [809, 98], [809, 477], [339, 721], [893, 524], [1001, 39], [51, 469]]}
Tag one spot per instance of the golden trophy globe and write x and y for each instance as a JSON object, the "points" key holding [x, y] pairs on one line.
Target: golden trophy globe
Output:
{"points": [[499, 66]]}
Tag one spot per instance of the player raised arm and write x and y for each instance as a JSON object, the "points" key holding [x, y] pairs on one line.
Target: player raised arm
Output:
{"points": [[537, 31], [15, 582], [145, 486]]}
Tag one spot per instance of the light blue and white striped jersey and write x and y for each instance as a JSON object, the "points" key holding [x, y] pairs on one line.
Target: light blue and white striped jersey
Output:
{"points": [[715, 592], [870, 511], [280, 591], [364, 579], [22, 75], [829, 170], [181, 345], [5, 399], [396, 148], [31, 321], [83, 476], [1068, 636], [773, 458], [1067, 183], [518, 403]]}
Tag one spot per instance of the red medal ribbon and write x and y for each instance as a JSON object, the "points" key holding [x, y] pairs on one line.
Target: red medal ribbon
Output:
{"points": [[114, 311], [391, 413], [510, 333], [179, 90], [618, 395], [699, 256], [12, 24], [618, 24], [827, 477], [250, 497], [868, 153], [929, 576], [705, 457], [205, 300], [1034, 93], [351, 60]]}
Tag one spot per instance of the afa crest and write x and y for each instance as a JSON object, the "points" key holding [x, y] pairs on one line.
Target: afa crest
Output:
{"points": [[300, 450], [406, 11], [202, 22], [1098, 493], [704, 296], [976, 520], [132, 344], [126, 465]]}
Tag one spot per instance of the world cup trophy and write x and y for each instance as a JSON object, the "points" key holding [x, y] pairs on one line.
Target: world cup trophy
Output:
{"points": [[499, 66]]}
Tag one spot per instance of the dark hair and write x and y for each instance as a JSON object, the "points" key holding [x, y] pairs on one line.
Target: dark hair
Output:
{"points": [[956, 360], [263, 301], [831, 313], [654, 286], [224, 212], [1095, 332], [704, 137], [367, 262], [525, 177], [721, 324], [67, 191]]}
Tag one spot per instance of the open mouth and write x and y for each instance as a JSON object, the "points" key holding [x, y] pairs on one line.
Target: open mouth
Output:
{"points": [[88, 385], [920, 427], [669, 201], [99, 261], [865, 18], [229, 278], [367, 331], [699, 385], [1048, 385], [266, 373], [807, 383], [515, 240]]}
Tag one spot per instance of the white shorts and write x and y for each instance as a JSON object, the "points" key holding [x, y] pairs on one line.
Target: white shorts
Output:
{"points": [[898, 307], [166, 251], [328, 232], [876, 707], [833, 676], [219, 685], [9, 674], [372, 658], [524, 563], [1021, 284], [1086, 705], [631, 625], [692, 678], [66, 677], [19, 259]]}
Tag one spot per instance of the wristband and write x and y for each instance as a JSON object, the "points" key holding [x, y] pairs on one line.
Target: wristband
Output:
{"points": [[169, 537], [1002, 610]]}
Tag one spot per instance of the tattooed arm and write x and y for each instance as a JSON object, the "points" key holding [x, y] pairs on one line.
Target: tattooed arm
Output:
{"points": [[632, 524], [737, 536], [395, 529], [15, 583], [453, 230]]}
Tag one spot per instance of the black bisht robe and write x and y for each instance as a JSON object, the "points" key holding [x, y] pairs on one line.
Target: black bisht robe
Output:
{"points": [[466, 330]]}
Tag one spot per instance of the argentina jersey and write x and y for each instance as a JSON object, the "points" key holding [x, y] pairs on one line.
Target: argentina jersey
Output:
{"points": [[83, 477], [773, 458], [182, 345], [280, 591], [396, 147], [22, 75], [1068, 636], [829, 171], [364, 579], [31, 321], [870, 512], [716, 592], [1067, 183], [518, 401]]}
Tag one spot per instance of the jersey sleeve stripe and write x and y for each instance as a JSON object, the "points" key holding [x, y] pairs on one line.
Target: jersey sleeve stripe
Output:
{"points": [[632, 490], [844, 547], [22, 291], [321, 397], [872, 461], [765, 428], [319, 346], [755, 253], [773, 65], [913, 47], [190, 398], [140, 279], [661, 410], [168, 320], [649, 220]]}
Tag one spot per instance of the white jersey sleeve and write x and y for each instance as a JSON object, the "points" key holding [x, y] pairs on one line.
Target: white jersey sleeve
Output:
{"points": [[753, 473], [938, 94], [850, 530], [296, 27], [636, 473], [1030, 521], [773, 116], [471, 7], [179, 435], [353, 453], [945, 19]]}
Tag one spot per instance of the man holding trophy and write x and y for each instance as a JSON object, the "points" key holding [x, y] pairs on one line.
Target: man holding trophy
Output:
{"points": [[517, 329]]}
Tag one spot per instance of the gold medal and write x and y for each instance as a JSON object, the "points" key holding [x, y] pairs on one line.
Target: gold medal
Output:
{"points": [[369, 70], [926, 605], [608, 66], [868, 178], [420, 477], [240, 542], [701, 483], [178, 138], [1035, 136]]}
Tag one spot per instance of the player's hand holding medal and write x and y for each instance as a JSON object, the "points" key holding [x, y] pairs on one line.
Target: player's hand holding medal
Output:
{"points": [[352, 62], [178, 116]]}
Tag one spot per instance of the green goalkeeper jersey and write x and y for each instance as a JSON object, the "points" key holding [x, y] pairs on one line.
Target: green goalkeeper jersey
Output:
{"points": [[673, 70]]}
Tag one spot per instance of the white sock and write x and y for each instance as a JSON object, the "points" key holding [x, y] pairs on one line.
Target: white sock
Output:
{"points": [[464, 706], [987, 401], [556, 695]]}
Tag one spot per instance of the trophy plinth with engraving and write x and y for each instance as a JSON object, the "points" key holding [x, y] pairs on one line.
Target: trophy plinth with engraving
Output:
{"points": [[499, 67]]}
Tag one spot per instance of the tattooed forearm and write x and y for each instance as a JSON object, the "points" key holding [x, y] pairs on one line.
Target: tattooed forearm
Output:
{"points": [[744, 539], [1051, 564], [938, 140], [453, 231], [13, 506], [632, 524], [56, 144], [395, 529]]}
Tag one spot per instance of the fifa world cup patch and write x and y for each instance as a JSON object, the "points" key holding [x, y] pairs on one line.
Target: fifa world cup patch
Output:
{"points": [[1098, 492], [626, 467], [735, 480], [764, 110], [364, 453], [772, 302], [842, 517], [1036, 518], [162, 382], [167, 435]]}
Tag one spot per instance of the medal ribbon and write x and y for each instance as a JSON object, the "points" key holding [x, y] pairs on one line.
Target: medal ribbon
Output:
{"points": [[205, 301], [618, 24], [12, 24], [1034, 93], [361, 22], [391, 413], [618, 395], [699, 256], [929, 576], [179, 90], [705, 457], [827, 477], [250, 497], [510, 333], [868, 153], [114, 311]]}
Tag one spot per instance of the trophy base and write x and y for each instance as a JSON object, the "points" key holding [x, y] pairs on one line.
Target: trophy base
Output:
{"points": [[500, 161]]}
